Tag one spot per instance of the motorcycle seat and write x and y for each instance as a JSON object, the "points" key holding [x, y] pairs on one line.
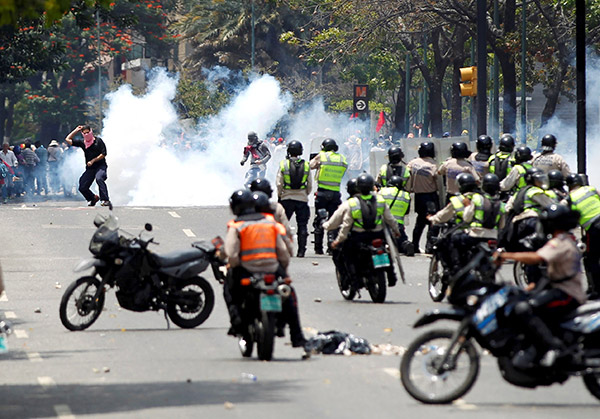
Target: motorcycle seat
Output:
{"points": [[178, 257], [590, 307]]}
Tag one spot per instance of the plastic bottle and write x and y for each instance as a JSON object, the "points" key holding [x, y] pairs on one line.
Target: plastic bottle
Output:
{"points": [[248, 378]]}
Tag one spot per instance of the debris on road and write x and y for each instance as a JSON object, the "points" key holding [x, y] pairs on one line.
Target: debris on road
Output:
{"points": [[335, 342], [387, 349], [37, 310], [228, 405], [315, 263], [318, 300], [388, 330], [105, 369], [57, 285]]}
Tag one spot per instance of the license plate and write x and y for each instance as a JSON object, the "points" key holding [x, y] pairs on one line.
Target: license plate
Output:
{"points": [[381, 261], [270, 303]]}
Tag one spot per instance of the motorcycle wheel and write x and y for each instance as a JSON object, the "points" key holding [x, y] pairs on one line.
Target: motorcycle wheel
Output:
{"points": [[264, 328], [78, 310], [377, 286], [436, 286], [246, 343], [188, 317], [349, 293], [592, 383], [519, 275], [420, 368]]}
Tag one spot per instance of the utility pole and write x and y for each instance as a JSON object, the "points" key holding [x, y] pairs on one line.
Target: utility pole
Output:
{"points": [[253, 24], [523, 73], [495, 117], [481, 68], [581, 93], [407, 95], [99, 72]]}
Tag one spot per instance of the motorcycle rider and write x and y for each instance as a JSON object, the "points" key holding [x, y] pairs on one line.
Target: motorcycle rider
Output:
{"points": [[586, 200], [480, 159], [516, 178], [331, 167], [254, 244], [294, 184], [259, 154], [562, 293], [399, 202], [549, 160], [263, 185], [456, 165], [423, 183], [395, 167], [501, 162]]}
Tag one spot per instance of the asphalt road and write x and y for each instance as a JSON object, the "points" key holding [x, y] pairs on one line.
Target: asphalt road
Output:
{"points": [[128, 365]]}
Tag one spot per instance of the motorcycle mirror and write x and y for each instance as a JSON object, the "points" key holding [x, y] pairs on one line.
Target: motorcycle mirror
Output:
{"points": [[148, 227], [99, 220]]}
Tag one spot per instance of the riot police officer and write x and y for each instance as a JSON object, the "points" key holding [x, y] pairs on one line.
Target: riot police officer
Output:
{"points": [[549, 160], [395, 167], [501, 162], [480, 159], [516, 178]]}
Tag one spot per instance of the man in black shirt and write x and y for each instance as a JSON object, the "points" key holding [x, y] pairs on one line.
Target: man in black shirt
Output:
{"points": [[95, 158]]}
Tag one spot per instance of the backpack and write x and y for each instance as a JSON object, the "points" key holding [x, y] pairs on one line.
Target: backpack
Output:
{"points": [[491, 209], [3, 170], [369, 212], [296, 174], [501, 167]]}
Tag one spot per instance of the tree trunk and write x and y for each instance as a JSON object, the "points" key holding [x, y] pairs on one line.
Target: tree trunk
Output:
{"points": [[553, 93], [10, 118], [2, 116], [509, 106], [400, 110], [435, 106]]}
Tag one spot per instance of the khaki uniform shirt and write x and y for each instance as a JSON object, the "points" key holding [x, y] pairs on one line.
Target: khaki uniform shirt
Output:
{"points": [[451, 168], [551, 161], [293, 194], [335, 221], [423, 175], [541, 199]]}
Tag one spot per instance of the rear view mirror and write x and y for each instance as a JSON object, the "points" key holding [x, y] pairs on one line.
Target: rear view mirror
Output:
{"points": [[148, 227], [99, 220]]}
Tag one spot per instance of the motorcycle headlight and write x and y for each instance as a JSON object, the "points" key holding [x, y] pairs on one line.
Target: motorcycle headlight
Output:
{"points": [[95, 247]]}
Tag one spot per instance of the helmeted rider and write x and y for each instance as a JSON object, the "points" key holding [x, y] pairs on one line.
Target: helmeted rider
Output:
{"points": [[501, 162], [557, 184], [395, 167], [399, 202], [294, 184], [259, 155], [456, 165], [480, 159], [549, 160], [331, 167], [263, 185], [516, 178]]}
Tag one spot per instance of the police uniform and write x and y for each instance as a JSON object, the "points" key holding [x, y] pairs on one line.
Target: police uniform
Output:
{"points": [[453, 167], [331, 167], [549, 160], [388, 170], [500, 164], [423, 183], [399, 203], [516, 178], [480, 162]]}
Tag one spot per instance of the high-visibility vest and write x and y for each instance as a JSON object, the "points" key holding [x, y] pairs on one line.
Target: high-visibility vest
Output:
{"points": [[280, 227], [356, 210], [529, 203], [522, 169], [501, 209], [585, 199], [332, 170], [496, 159], [258, 239], [459, 207], [398, 201], [385, 176], [287, 178]]}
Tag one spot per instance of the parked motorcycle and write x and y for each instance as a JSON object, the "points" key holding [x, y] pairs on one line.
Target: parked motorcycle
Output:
{"points": [[264, 295], [144, 280], [442, 365]]}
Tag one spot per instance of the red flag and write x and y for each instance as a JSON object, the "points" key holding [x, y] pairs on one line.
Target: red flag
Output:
{"points": [[381, 121], [354, 115]]}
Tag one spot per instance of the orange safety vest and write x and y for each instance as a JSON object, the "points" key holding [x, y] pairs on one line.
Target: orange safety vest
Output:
{"points": [[280, 227], [258, 239]]}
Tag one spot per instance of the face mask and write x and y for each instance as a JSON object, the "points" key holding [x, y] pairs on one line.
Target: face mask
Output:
{"points": [[88, 139]]}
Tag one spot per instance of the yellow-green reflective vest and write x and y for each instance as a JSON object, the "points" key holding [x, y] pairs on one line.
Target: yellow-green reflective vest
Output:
{"points": [[459, 208], [331, 172], [522, 168], [497, 159], [529, 203], [287, 179], [585, 199], [356, 209], [400, 205], [501, 211], [383, 174]]}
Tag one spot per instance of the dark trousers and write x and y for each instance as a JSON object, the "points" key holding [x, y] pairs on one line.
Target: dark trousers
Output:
{"points": [[425, 204], [87, 178], [591, 259], [29, 179], [330, 201], [302, 212]]}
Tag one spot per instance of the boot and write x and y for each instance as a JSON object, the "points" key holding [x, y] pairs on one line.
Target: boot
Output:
{"points": [[302, 237], [318, 242]]}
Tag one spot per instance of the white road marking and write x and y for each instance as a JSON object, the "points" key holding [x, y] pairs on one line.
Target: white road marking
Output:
{"points": [[188, 232], [21, 334], [10, 315], [25, 208], [174, 214], [394, 372], [3, 296], [34, 357], [46, 382], [463, 405], [63, 411]]}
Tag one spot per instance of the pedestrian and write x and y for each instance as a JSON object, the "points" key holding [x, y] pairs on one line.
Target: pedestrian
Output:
{"points": [[31, 160], [41, 170], [6, 173], [55, 155], [96, 167], [8, 157]]}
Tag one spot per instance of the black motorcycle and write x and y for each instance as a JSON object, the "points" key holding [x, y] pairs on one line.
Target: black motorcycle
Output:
{"points": [[442, 365], [264, 295], [144, 280]]}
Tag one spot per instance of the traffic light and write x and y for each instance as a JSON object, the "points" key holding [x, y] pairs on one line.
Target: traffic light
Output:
{"points": [[468, 75]]}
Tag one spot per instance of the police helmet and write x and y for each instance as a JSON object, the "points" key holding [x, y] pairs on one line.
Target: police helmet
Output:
{"points": [[459, 150], [558, 217], [351, 187], [395, 154], [484, 143], [252, 137], [329, 144], [365, 183], [241, 202], [490, 184], [556, 179], [294, 148], [522, 154], [548, 142], [426, 149], [466, 182], [536, 176], [262, 185], [396, 181], [574, 179], [507, 143], [262, 203]]}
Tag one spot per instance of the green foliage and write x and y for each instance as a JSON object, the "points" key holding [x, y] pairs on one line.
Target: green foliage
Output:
{"points": [[197, 100]]}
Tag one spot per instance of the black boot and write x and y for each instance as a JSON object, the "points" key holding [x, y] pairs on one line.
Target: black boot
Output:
{"points": [[302, 237]]}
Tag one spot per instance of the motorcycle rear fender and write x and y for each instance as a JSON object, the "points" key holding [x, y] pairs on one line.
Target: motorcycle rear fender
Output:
{"points": [[86, 264], [188, 269], [441, 314]]}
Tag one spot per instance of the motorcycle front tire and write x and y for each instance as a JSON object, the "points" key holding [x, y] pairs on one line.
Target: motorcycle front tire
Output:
{"points": [[78, 312]]}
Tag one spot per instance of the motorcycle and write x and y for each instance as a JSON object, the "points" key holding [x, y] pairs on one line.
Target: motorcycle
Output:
{"points": [[264, 295], [144, 280], [442, 365]]}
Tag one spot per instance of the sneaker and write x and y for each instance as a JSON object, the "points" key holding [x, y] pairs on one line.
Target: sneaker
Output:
{"points": [[105, 204], [94, 201]]}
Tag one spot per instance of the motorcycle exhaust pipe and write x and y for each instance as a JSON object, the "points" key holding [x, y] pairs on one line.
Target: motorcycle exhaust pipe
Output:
{"points": [[284, 290]]}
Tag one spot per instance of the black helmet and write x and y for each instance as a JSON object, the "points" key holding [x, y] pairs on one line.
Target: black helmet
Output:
{"points": [[466, 182], [262, 185], [426, 149], [262, 203], [522, 154], [351, 187], [396, 181], [329, 144], [395, 154], [490, 184], [507, 143], [252, 137], [556, 180], [575, 179], [241, 202], [459, 150], [365, 183], [548, 142], [536, 176], [558, 217], [294, 148], [484, 143]]}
